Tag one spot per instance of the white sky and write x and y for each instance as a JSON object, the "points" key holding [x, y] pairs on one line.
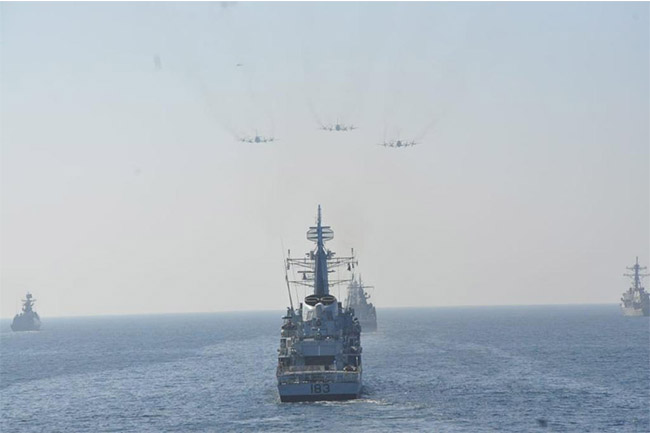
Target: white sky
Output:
{"points": [[124, 189]]}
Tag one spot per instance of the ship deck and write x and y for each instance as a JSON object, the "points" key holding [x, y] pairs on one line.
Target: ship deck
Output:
{"points": [[318, 376]]}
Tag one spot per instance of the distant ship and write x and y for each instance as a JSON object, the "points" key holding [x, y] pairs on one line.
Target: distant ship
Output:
{"points": [[28, 319], [636, 301], [357, 300], [320, 345]]}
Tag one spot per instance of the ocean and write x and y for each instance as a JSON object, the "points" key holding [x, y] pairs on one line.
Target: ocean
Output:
{"points": [[461, 369]]}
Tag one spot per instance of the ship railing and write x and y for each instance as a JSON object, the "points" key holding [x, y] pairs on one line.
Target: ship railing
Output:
{"points": [[299, 368], [324, 377]]}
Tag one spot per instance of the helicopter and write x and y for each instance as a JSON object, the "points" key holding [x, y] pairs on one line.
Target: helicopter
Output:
{"points": [[257, 139], [338, 127], [398, 143]]}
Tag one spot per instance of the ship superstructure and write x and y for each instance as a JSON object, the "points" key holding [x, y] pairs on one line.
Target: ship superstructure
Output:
{"points": [[357, 301], [27, 319], [320, 347], [636, 301]]}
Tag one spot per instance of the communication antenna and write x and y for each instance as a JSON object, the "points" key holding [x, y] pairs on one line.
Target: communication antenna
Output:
{"points": [[286, 276], [637, 276]]}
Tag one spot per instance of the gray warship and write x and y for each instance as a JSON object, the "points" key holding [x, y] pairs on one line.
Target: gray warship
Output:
{"points": [[320, 344], [636, 301], [27, 320], [357, 301]]}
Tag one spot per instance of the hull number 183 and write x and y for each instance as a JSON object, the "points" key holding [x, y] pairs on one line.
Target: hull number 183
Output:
{"points": [[317, 388]]}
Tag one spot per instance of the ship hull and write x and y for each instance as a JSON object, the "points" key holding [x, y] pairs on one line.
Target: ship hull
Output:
{"points": [[26, 322], [635, 312], [24, 325], [296, 392]]}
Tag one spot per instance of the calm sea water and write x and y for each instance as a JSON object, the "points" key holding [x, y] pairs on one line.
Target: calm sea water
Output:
{"points": [[506, 369]]}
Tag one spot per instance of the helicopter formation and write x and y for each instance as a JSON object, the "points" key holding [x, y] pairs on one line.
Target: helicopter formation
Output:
{"points": [[332, 126], [337, 127]]}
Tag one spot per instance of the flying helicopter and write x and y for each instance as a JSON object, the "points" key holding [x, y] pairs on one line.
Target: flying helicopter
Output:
{"points": [[257, 139], [398, 143], [338, 127]]}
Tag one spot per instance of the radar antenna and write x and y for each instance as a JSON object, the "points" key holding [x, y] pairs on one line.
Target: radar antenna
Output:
{"points": [[636, 276], [317, 264]]}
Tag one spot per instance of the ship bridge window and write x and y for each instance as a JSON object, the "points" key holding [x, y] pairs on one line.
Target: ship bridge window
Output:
{"points": [[319, 360]]}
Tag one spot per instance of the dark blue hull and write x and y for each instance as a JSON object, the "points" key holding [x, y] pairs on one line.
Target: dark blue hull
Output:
{"points": [[25, 323]]}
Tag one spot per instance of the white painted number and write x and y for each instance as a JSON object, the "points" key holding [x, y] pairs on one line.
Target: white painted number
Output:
{"points": [[320, 389]]}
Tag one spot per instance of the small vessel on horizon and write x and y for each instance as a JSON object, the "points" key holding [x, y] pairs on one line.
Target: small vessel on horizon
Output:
{"points": [[357, 300], [636, 301], [320, 345], [27, 319]]}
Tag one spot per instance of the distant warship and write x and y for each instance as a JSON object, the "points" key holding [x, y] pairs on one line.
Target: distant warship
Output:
{"points": [[320, 346], [357, 301], [28, 319], [636, 301]]}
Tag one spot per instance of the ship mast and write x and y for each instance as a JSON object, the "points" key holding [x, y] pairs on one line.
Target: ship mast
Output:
{"points": [[319, 263], [28, 303], [636, 276], [321, 285]]}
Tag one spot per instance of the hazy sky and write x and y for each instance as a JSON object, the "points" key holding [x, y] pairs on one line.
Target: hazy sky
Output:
{"points": [[124, 189]]}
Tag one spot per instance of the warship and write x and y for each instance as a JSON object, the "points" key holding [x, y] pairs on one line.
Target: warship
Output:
{"points": [[27, 320], [636, 301], [320, 345], [357, 301]]}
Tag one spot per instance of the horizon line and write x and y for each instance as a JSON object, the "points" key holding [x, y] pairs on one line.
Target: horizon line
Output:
{"points": [[273, 309]]}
